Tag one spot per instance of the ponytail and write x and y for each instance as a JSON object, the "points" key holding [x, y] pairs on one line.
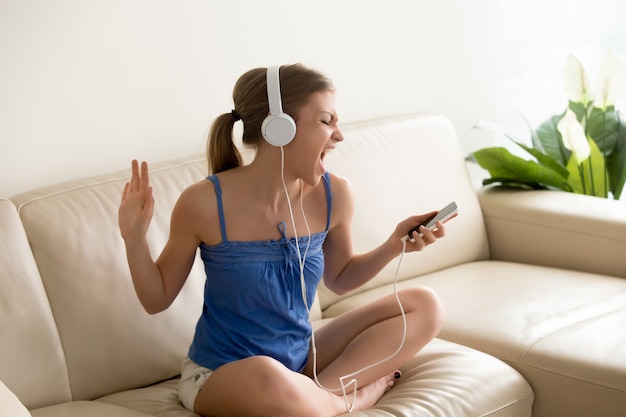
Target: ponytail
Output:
{"points": [[222, 153]]}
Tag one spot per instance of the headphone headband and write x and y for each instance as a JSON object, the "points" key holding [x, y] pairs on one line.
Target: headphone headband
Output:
{"points": [[273, 90]]}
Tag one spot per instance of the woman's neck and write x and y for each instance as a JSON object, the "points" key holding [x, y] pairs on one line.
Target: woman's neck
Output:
{"points": [[267, 182]]}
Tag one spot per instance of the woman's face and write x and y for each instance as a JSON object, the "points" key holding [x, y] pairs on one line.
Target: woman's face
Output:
{"points": [[317, 134]]}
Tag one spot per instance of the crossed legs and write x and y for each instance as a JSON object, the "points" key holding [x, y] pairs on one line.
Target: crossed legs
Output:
{"points": [[261, 386]]}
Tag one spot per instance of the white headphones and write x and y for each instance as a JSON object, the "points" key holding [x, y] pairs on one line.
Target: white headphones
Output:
{"points": [[278, 128]]}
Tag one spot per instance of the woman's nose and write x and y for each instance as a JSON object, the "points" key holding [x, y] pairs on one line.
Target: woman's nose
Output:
{"points": [[338, 136]]}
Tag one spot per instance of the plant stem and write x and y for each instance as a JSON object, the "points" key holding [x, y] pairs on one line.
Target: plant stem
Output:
{"points": [[587, 137], [581, 172], [591, 178], [604, 154]]}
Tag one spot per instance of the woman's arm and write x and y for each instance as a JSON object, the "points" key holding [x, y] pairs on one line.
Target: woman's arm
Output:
{"points": [[156, 283], [344, 270]]}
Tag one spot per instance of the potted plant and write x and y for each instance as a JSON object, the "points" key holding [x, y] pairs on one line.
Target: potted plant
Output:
{"points": [[582, 150]]}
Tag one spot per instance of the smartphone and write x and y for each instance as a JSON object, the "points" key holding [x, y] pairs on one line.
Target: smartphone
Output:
{"points": [[442, 215]]}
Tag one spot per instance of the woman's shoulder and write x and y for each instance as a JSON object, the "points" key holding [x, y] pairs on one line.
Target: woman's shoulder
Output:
{"points": [[198, 192], [340, 185], [199, 199], [342, 200], [196, 208]]}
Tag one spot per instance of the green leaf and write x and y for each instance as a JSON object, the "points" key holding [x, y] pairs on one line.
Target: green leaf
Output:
{"points": [[616, 163], [541, 157], [534, 138], [579, 108], [547, 161], [548, 138], [505, 166], [603, 128], [589, 177]]}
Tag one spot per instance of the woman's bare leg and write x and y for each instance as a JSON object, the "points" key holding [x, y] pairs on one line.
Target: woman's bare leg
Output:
{"points": [[373, 332], [261, 386]]}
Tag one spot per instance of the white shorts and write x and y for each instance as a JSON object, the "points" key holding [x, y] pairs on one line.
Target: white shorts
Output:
{"points": [[192, 378]]}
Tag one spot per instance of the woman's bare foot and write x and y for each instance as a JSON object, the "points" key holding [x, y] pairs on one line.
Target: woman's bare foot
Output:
{"points": [[369, 395]]}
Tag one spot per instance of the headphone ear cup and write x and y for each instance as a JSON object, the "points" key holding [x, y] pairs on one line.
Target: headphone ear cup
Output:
{"points": [[278, 130]]}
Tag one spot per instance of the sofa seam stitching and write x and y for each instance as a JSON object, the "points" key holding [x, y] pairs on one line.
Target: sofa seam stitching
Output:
{"points": [[511, 404], [584, 381], [549, 227], [571, 325]]}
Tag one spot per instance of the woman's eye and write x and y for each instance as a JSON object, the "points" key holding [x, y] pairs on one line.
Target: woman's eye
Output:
{"points": [[327, 123]]}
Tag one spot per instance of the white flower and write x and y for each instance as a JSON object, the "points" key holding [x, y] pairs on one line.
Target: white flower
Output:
{"points": [[574, 137], [610, 81], [577, 85]]}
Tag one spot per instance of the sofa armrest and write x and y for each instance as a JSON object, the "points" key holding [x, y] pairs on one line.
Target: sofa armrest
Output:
{"points": [[555, 228], [10, 405]]}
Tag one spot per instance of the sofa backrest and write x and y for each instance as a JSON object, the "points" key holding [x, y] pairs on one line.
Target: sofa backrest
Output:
{"points": [[32, 364], [405, 165], [110, 342]]}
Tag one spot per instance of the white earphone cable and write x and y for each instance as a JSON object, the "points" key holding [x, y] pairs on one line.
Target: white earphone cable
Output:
{"points": [[301, 260], [353, 381]]}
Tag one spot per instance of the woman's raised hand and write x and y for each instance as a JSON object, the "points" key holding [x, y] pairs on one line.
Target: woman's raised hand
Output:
{"points": [[137, 204]]}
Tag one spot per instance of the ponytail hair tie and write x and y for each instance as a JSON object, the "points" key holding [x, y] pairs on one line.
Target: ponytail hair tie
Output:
{"points": [[235, 116]]}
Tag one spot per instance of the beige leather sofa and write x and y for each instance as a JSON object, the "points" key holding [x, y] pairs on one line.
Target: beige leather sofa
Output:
{"points": [[533, 283]]}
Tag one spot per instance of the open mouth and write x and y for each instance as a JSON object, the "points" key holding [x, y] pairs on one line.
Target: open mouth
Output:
{"points": [[323, 156]]}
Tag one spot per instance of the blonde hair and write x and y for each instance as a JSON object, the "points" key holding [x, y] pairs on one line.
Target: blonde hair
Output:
{"points": [[297, 83]]}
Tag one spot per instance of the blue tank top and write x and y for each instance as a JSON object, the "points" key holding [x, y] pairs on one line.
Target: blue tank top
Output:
{"points": [[253, 296]]}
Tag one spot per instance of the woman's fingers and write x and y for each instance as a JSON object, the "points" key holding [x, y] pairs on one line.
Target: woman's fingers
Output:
{"points": [[134, 176], [140, 178], [145, 178]]}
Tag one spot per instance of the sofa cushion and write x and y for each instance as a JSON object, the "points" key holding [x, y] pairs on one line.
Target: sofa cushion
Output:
{"points": [[562, 329], [29, 341], [401, 166], [76, 243], [86, 409], [443, 380], [157, 400], [446, 379]]}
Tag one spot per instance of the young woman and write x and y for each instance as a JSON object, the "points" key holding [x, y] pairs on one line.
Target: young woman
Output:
{"points": [[263, 229]]}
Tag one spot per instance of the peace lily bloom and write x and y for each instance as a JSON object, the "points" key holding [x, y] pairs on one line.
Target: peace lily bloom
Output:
{"points": [[574, 138], [577, 86], [608, 84], [610, 81]]}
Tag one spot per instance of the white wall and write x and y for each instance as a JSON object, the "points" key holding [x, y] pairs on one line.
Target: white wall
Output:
{"points": [[87, 85]]}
